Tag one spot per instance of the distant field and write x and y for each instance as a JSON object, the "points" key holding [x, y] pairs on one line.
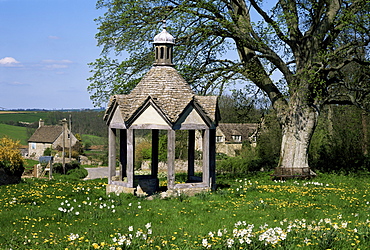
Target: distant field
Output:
{"points": [[22, 116], [14, 132], [93, 140]]}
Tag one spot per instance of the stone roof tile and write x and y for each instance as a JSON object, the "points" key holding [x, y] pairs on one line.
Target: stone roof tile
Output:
{"points": [[243, 129], [168, 90], [46, 134]]}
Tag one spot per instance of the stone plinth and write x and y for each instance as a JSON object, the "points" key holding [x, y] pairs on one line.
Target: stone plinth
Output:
{"points": [[117, 189], [143, 185]]}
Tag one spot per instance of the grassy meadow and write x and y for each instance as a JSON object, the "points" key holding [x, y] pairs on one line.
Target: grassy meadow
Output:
{"points": [[14, 132], [328, 212]]}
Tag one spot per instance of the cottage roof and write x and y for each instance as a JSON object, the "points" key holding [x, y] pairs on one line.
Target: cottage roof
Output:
{"points": [[245, 130], [46, 134]]}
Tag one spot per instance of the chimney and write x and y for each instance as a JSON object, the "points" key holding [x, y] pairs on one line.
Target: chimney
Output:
{"points": [[41, 123], [65, 124]]}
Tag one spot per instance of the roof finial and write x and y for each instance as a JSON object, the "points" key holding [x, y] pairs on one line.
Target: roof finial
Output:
{"points": [[164, 24]]}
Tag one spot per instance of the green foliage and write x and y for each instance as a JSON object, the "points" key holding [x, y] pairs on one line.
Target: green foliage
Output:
{"points": [[238, 107], [77, 173], [47, 152], [10, 158], [162, 148], [269, 142], [74, 170], [143, 151], [83, 122], [240, 165], [339, 143], [181, 144]]}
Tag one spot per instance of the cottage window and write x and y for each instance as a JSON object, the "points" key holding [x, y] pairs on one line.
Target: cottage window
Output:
{"points": [[219, 139], [237, 138], [33, 145]]}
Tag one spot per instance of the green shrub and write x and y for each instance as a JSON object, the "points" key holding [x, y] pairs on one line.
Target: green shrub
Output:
{"points": [[58, 167], [143, 151], [47, 152], [10, 158], [78, 173]]}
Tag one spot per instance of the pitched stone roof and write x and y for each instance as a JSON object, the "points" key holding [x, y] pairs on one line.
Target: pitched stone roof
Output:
{"points": [[243, 129], [168, 90], [46, 134]]}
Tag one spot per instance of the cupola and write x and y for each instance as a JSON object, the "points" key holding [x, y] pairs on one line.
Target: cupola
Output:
{"points": [[163, 43]]}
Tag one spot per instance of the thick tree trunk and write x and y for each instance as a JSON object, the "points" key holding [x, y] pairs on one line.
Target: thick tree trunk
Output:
{"points": [[298, 128]]}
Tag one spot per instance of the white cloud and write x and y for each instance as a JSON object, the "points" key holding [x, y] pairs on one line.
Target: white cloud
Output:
{"points": [[19, 84], [9, 62], [56, 64], [56, 61], [54, 37]]}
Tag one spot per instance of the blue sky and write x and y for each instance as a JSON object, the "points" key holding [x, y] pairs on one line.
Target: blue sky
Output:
{"points": [[45, 46]]}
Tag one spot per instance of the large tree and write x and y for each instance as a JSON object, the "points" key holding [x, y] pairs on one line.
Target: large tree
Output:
{"points": [[309, 43]]}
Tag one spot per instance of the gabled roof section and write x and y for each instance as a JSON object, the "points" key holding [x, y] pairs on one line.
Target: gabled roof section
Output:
{"points": [[46, 134], [168, 90], [149, 113], [210, 106]]}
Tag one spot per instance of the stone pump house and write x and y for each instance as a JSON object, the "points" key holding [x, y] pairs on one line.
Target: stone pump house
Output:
{"points": [[162, 100]]}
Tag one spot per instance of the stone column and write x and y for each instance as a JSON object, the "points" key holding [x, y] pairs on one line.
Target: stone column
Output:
{"points": [[130, 157], [212, 158], [111, 154], [206, 158], [171, 159]]}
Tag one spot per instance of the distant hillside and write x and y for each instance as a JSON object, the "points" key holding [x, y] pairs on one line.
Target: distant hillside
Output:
{"points": [[22, 116], [83, 122], [14, 132]]}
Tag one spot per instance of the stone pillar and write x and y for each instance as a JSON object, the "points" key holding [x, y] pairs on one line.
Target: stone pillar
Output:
{"points": [[206, 159], [111, 154], [212, 158], [130, 157], [171, 136]]}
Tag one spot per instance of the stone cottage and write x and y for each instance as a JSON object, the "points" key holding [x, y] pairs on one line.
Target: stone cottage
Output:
{"points": [[231, 136], [49, 136]]}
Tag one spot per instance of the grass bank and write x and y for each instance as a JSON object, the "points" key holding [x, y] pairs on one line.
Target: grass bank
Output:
{"points": [[330, 212], [15, 133]]}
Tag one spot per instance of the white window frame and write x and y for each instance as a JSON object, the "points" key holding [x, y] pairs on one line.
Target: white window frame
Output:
{"points": [[237, 138]]}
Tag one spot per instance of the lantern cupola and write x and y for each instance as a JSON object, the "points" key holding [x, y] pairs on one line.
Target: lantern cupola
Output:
{"points": [[163, 43]]}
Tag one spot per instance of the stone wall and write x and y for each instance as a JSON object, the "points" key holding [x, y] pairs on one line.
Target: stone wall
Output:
{"points": [[229, 149], [180, 166]]}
